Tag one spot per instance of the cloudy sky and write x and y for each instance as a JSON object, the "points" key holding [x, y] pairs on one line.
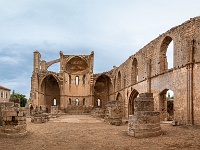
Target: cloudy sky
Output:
{"points": [[113, 29]]}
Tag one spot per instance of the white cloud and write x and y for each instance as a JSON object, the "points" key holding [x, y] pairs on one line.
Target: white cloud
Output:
{"points": [[114, 30], [10, 60]]}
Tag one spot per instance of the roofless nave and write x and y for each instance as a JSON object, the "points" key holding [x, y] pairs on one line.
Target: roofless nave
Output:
{"points": [[77, 88]]}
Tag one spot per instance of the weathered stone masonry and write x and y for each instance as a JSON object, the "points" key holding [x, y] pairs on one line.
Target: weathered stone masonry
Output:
{"points": [[145, 71]]}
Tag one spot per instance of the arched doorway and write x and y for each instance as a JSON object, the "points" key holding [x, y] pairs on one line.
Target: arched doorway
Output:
{"points": [[166, 105], [102, 89], [132, 97], [50, 92], [166, 54]]}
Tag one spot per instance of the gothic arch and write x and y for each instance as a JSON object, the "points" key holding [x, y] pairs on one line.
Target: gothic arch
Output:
{"points": [[50, 90], [163, 53], [132, 97], [102, 90]]}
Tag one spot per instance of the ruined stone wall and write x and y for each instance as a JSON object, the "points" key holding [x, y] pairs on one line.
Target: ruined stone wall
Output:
{"points": [[145, 71], [12, 119], [154, 75]]}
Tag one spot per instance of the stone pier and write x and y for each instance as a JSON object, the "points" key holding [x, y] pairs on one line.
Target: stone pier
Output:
{"points": [[145, 122], [12, 120], [114, 112]]}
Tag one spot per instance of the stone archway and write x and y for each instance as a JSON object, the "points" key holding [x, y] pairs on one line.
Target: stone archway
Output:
{"points": [[50, 92], [164, 52], [132, 97], [166, 105], [102, 89]]}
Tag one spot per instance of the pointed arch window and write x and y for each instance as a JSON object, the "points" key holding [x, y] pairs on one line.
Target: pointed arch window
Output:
{"points": [[167, 54]]}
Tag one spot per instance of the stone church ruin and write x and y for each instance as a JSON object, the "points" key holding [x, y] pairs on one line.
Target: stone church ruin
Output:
{"points": [[76, 89]]}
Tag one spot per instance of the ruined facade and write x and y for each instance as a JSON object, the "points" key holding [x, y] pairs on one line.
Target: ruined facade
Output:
{"points": [[70, 89], [75, 87]]}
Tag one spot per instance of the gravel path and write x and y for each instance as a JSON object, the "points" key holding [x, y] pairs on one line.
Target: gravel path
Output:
{"points": [[73, 132]]}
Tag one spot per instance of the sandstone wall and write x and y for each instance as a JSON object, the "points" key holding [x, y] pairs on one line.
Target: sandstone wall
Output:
{"points": [[154, 75]]}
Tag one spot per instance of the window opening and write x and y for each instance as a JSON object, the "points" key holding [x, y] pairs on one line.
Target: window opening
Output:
{"points": [[84, 101], [69, 101], [54, 102], [84, 79], [98, 102], [1, 94], [77, 80], [77, 102], [69, 79]]}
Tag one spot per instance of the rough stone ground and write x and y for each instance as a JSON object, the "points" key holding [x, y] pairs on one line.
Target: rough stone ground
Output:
{"points": [[83, 132]]}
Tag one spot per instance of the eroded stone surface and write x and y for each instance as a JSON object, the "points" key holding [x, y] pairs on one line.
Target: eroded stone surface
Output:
{"points": [[114, 112], [12, 119], [145, 122]]}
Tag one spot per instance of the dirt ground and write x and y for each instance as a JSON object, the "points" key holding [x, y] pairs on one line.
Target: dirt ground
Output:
{"points": [[73, 132]]}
